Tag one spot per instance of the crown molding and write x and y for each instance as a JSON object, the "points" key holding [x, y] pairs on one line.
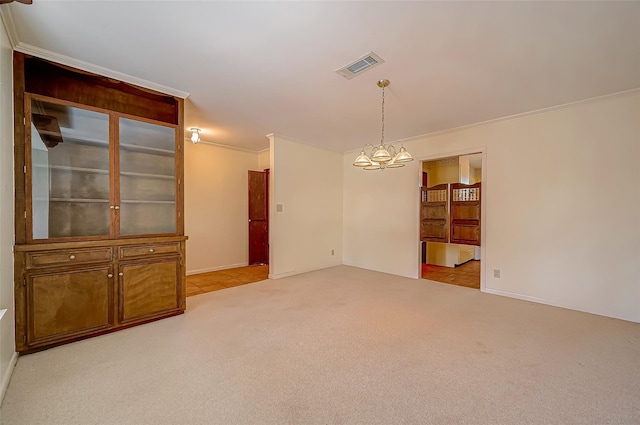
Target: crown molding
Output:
{"points": [[221, 145], [9, 24], [89, 67], [523, 114], [509, 117]]}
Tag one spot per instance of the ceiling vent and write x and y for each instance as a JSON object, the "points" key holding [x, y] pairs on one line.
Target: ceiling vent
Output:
{"points": [[360, 65]]}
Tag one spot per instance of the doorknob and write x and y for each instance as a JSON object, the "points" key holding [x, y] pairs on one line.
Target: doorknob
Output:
{"points": [[249, 220]]}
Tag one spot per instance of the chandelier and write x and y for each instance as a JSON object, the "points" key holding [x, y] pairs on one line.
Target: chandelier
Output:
{"points": [[383, 156]]}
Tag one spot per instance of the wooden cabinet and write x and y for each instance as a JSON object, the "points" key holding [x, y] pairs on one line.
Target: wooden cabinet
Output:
{"points": [[99, 204], [78, 289]]}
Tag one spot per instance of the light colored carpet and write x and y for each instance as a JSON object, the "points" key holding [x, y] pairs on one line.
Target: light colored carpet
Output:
{"points": [[341, 346]]}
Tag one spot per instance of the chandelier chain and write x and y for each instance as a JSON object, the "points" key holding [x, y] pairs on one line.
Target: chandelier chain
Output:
{"points": [[382, 140]]}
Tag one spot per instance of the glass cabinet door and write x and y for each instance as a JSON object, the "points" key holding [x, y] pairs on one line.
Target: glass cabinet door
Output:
{"points": [[147, 178], [70, 184]]}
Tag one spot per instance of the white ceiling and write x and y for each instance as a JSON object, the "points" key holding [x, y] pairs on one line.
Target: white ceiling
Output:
{"points": [[254, 68]]}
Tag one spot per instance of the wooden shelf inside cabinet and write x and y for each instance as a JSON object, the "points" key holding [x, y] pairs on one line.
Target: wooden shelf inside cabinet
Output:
{"points": [[147, 175], [147, 149], [142, 201], [71, 168], [87, 141], [77, 200]]}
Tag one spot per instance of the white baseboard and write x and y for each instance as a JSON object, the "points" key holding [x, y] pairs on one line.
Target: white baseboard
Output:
{"points": [[555, 304], [7, 376], [214, 269]]}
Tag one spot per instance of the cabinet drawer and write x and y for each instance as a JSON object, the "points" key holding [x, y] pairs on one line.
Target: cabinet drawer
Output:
{"points": [[148, 250], [69, 256]]}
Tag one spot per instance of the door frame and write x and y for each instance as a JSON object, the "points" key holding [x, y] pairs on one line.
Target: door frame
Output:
{"points": [[483, 207]]}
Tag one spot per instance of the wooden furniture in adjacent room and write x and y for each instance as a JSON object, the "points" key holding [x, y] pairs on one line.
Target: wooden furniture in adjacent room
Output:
{"points": [[434, 214], [100, 239]]}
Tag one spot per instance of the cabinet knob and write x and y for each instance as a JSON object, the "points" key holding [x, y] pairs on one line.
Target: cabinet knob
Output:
{"points": [[110, 275], [117, 207], [72, 257], [151, 250], [120, 274], [111, 206]]}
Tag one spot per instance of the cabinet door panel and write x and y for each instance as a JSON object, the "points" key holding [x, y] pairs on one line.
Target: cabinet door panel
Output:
{"points": [[147, 178], [147, 218], [434, 214], [68, 165], [465, 213], [67, 303], [149, 289]]}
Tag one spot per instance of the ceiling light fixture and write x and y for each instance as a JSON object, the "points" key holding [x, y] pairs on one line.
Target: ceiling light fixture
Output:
{"points": [[195, 134], [383, 156]]}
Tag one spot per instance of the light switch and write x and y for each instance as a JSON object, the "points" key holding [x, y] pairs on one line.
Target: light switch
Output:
{"points": [[278, 207]]}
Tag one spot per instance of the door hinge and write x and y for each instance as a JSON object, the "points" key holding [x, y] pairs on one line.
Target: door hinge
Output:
{"points": [[24, 338], [24, 120], [24, 282], [25, 215], [178, 182], [24, 169]]}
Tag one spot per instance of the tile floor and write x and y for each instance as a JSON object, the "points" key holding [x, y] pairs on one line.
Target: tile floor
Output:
{"points": [[213, 281], [467, 274]]}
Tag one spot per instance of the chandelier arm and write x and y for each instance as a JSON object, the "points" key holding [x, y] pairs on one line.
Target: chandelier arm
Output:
{"points": [[370, 145]]}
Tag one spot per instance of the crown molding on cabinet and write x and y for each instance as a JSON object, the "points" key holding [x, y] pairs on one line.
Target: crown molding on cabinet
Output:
{"points": [[99, 70]]}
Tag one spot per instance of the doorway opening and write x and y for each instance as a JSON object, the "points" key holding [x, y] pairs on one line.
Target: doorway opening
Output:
{"points": [[450, 220]]}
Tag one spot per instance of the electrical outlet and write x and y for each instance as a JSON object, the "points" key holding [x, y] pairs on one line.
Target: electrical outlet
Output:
{"points": [[496, 273]]}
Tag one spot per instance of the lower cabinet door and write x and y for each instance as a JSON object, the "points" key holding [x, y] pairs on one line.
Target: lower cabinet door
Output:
{"points": [[149, 288], [67, 304]]}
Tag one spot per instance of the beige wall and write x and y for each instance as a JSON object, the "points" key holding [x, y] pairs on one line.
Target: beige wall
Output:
{"points": [[264, 159], [442, 173], [216, 206], [476, 175], [8, 356], [576, 226], [309, 226]]}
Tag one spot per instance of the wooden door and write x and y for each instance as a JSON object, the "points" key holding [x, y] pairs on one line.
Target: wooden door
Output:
{"points": [[434, 214], [259, 217], [149, 289], [465, 213], [66, 304]]}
